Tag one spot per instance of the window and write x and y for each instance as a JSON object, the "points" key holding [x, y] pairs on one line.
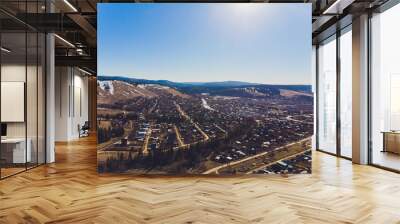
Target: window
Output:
{"points": [[22, 77], [346, 93], [314, 90], [385, 89], [327, 96]]}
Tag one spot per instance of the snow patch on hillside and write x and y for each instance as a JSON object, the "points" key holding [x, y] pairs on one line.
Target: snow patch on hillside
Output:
{"points": [[156, 86], [253, 91], [107, 86], [205, 104]]}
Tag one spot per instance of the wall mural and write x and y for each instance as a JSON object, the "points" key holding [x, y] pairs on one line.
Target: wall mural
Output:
{"points": [[204, 88]]}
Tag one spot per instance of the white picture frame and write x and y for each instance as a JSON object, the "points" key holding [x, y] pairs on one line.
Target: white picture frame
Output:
{"points": [[12, 101]]}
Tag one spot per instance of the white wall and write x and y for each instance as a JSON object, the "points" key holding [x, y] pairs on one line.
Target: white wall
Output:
{"points": [[71, 103], [33, 127], [12, 73], [81, 104], [62, 81]]}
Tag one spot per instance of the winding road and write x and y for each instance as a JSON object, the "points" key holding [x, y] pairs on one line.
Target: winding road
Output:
{"points": [[216, 169]]}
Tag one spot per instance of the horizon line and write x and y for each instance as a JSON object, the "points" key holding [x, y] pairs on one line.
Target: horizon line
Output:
{"points": [[122, 76]]}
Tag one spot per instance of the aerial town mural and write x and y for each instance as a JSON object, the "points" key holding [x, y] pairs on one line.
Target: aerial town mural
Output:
{"points": [[207, 107]]}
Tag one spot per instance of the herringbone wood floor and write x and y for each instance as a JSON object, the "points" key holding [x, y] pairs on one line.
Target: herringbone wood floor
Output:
{"points": [[70, 191]]}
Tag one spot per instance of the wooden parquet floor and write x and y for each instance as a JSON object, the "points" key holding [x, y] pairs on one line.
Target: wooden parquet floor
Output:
{"points": [[71, 191]]}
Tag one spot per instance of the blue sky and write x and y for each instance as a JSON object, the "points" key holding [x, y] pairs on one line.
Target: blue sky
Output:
{"points": [[261, 43]]}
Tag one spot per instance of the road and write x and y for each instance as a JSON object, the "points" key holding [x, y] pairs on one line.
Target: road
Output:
{"points": [[289, 118], [105, 145], [145, 149], [179, 137], [201, 131], [269, 164], [221, 129], [183, 114], [153, 107], [215, 169]]}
